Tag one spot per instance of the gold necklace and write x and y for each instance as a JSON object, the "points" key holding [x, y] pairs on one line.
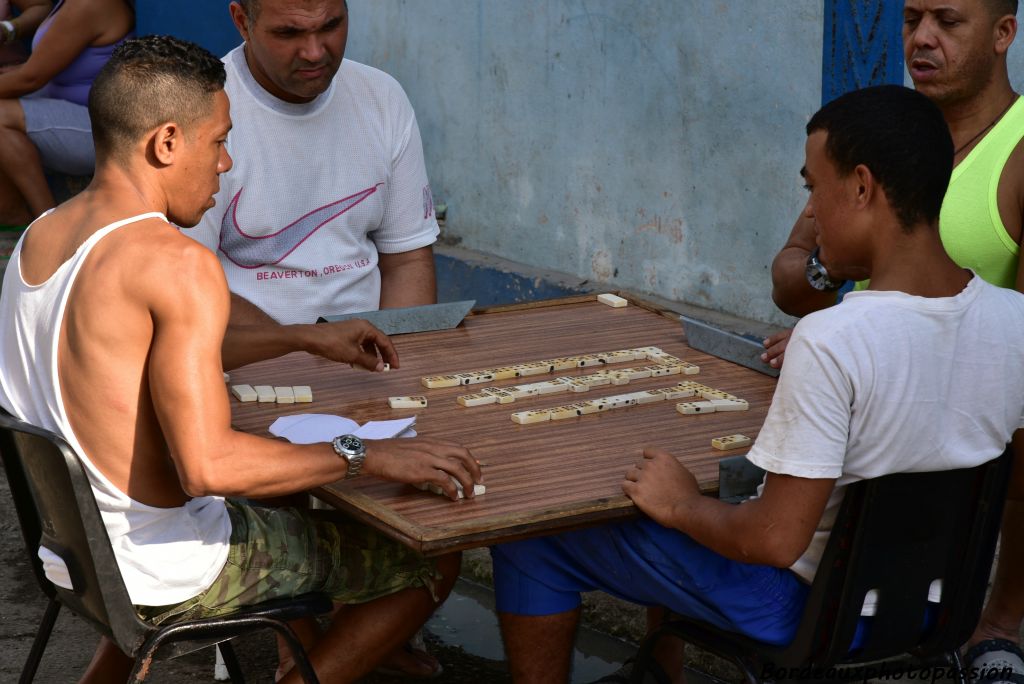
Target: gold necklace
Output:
{"points": [[983, 130]]}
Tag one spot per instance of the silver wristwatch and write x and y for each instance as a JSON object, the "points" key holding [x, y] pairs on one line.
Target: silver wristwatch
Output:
{"points": [[353, 450], [817, 276]]}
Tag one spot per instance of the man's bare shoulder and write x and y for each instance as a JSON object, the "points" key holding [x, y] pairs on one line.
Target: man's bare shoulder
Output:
{"points": [[145, 256], [1010, 196], [155, 252], [1014, 168]]}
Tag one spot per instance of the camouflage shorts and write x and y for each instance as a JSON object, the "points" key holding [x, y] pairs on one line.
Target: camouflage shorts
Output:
{"points": [[281, 552]]}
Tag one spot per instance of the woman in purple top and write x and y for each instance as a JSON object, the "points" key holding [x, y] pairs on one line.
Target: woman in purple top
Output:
{"points": [[44, 122]]}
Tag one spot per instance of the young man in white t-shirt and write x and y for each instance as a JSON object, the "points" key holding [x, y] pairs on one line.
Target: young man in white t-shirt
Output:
{"points": [[913, 374]]}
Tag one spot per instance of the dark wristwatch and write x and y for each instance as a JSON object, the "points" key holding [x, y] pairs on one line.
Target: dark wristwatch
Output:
{"points": [[817, 275], [353, 450]]}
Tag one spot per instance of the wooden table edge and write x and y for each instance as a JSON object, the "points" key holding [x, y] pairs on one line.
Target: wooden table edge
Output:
{"points": [[437, 541]]}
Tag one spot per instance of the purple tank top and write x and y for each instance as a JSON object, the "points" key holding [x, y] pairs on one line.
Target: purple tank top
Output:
{"points": [[74, 82]]}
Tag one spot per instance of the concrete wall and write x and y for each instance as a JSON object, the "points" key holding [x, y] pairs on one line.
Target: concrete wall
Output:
{"points": [[653, 146], [650, 145]]}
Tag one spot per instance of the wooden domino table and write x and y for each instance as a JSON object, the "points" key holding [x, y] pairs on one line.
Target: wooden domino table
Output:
{"points": [[542, 477]]}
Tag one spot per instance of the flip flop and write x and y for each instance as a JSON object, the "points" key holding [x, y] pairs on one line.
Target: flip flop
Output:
{"points": [[624, 675], [410, 647], [987, 660]]}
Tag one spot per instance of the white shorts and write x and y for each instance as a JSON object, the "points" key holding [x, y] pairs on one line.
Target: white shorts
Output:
{"points": [[62, 133]]}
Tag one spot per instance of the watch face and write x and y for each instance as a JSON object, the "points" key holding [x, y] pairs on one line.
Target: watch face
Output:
{"points": [[817, 276], [351, 443]]}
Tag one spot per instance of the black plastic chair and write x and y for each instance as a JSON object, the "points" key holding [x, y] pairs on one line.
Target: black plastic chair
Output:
{"points": [[56, 509], [894, 534]]}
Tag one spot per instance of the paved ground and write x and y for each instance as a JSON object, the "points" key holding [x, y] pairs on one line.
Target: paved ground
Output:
{"points": [[72, 643], [463, 635], [466, 619]]}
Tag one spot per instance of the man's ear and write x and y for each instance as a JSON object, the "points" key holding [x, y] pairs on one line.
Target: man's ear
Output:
{"points": [[166, 142], [240, 19], [864, 184], [1004, 31]]}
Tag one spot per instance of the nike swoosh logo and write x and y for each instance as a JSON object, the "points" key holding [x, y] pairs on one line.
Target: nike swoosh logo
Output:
{"points": [[248, 251]]}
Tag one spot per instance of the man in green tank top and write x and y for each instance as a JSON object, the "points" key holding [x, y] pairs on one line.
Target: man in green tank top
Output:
{"points": [[955, 52]]}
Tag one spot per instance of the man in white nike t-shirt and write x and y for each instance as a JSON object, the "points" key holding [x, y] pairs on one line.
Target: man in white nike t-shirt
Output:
{"points": [[328, 209]]}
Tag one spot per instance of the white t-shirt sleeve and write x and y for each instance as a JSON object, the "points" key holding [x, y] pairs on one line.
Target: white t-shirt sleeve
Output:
{"points": [[807, 428], [409, 221]]}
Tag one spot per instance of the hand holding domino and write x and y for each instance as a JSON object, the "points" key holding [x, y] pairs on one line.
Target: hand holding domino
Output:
{"points": [[478, 489], [424, 461], [356, 342]]}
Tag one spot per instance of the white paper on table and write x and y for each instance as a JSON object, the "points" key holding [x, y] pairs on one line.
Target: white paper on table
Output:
{"points": [[311, 428], [386, 429]]}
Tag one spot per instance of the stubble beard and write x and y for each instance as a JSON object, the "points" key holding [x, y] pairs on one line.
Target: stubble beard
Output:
{"points": [[313, 89], [966, 84]]}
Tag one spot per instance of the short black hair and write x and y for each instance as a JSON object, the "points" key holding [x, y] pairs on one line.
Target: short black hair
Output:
{"points": [[149, 81], [901, 137]]}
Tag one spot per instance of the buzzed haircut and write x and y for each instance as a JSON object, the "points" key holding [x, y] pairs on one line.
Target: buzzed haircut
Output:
{"points": [[252, 8], [901, 137], [149, 81], [1000, 8]]}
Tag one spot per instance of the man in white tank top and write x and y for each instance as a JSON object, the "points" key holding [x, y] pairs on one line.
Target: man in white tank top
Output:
{"points": [[151, 421]]}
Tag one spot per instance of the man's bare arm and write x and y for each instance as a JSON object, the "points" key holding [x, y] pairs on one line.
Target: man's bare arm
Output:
{"points": [[407, 279], [790, 289], [253, 336], [774, 529], [244, 312], [1004, 609], [1019, 284], [192, 406]]}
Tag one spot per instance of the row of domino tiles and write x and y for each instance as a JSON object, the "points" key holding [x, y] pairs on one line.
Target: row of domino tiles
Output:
{"points": [[475, 377], [714, 400]]}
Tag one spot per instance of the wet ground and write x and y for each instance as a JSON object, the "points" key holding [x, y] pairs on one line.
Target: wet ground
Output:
{"points": [[463, 634]]}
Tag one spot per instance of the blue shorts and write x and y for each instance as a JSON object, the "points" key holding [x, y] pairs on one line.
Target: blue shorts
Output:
{"points": [[642, 562]]}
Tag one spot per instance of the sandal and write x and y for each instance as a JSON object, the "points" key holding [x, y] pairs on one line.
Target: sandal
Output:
{"points": [[624, 675], [995, 661], [411, 648]]}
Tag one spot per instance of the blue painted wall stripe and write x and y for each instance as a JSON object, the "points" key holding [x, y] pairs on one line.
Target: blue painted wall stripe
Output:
{"points": [[862, 45], [206, 22]]}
